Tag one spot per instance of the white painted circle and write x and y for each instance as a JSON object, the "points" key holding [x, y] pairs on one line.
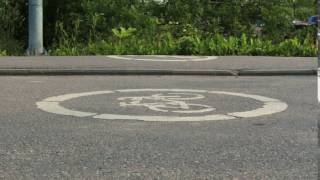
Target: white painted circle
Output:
{"points": [[165, 58], [270, 106]]}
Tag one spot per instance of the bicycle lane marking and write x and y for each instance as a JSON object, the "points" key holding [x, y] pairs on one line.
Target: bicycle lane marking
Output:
{"points": [[165, 104], [164, 58]]}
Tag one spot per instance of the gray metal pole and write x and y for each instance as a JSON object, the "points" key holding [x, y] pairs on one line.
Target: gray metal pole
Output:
{"points": [[35, 40], [318, 39]]}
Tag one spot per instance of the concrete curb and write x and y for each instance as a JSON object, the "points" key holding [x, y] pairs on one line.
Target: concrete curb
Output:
{"points": [[74, 72], [291, 72]]}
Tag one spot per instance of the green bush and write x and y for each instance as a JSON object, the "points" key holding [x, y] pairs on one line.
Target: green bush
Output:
{"points": [[206, 27], [3, 53], [12, 19], [187, 45], [11, 46]]}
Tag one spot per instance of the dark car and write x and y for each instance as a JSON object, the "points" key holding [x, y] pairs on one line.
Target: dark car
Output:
{"points": [[313, 20]]}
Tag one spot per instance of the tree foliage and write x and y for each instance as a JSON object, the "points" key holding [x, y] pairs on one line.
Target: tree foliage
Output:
{"points": [[185, 21]]}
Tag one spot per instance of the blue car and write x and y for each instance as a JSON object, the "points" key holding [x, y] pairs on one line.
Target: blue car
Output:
{"points": [[313, 20]]}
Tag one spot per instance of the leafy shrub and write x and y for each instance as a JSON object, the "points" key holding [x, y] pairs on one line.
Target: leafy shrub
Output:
{"points": [[12, 19], [188, 45], [206, 27], [11, 46], [213, 45], [3, 53]]}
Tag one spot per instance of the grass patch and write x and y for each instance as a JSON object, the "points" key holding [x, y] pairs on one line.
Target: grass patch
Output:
{"points": [[166, 44]]}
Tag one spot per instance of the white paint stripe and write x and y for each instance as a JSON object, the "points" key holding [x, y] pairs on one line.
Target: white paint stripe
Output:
{"points": [[268, 108], [164, 118], [54, 107], [157, 58], [256, 97], [164, 56], [162, 90], [36, 81], [182, 57], [271, 106], [198, 111]]}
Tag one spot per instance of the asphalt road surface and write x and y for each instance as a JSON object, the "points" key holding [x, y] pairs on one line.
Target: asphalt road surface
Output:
{"points": [[158, 127]]}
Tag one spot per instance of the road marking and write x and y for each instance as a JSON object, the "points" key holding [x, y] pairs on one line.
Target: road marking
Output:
{"points": [[56, 108], [35, 82], [216, 117], [167, 103], [164, 101], [164, 58]]}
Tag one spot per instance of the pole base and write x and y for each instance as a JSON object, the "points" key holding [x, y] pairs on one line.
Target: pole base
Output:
{"points": [[36, 52]]}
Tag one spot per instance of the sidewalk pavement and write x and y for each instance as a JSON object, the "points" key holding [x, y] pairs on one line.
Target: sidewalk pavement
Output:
{"points": [[158, 65]]}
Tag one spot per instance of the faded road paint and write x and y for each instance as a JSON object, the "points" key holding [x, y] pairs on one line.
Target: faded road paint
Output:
{"points": [[270, 106], [164, 58]]}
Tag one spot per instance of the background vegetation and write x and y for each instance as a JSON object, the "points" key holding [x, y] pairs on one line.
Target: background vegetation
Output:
{"points": [[198, 27]]}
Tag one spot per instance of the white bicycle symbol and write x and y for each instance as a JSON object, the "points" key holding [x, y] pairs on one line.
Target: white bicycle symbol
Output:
{"points": [[171, 102]]}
